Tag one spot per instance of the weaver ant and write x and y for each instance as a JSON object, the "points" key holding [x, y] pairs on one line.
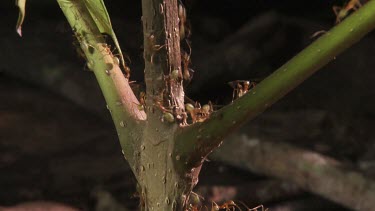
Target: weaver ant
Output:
{"points": [[184, 25], [342, 12], [232, 206], [153, 47], [240, 87], [199, 113], [229, 205], [185, 60]]}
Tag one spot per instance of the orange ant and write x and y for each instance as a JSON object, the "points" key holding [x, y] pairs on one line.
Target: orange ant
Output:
{"points": [[185, 59], [198, 113], [91, 49], [185, 63], [228, 206], [158, 102], [142, 101], [255, 208], [231, 205], [342, 12], [116, 60], [183, 23], [240, 87], [153, 48], [181, 116]]}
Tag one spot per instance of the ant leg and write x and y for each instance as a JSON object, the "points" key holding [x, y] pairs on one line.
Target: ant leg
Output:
{"points": [[336, 10]]}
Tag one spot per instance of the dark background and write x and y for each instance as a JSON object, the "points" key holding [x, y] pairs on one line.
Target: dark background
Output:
{"points": [[57, 141]]}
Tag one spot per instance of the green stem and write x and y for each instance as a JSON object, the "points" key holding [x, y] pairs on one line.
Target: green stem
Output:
{"points": [[121, 101], [197, 141]]}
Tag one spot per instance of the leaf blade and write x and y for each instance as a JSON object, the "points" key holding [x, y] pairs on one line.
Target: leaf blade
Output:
{"points": [[21, 16], [101, 17]]}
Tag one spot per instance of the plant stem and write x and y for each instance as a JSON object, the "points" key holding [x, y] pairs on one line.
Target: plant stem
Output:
{"points": [[120, 99], [197, 141]]}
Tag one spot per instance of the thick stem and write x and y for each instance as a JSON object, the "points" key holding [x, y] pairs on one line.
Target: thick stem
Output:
{"points": [[162, 186], [162, 54], [197, 141]]}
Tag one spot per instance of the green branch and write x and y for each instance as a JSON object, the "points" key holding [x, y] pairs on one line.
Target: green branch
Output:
{"points": [[121, 101], [197, 141]]}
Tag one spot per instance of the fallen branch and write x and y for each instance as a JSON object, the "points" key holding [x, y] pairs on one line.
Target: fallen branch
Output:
{"points": [[253, 193], [311, 171]]}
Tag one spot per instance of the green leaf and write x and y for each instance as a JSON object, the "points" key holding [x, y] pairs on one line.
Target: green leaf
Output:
{"points": [[21, 5], [100, 15]]}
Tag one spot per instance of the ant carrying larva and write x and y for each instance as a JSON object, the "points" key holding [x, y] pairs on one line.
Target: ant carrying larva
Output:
{"points": [[199, 113]]}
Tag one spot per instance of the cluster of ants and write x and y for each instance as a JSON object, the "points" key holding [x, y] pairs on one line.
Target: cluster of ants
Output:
{"points": [[194, 112]]}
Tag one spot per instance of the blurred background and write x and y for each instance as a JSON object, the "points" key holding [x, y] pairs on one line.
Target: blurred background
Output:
{"points": [[57, 141]]}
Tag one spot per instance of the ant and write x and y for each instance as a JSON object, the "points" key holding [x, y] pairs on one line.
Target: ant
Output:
{"points": [[116, 60], [185, 33], [187, 72], [153, 48], [228, 206], [181, 116], [184, 25], [80, 40], [342, 12], [240, 87], [231, 205], [198, 113], [142, 101]]}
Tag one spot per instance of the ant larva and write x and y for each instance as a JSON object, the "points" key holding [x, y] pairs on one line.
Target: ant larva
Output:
{"points": [[195, 203], [168, 117], [342, 12], [142, 101]]}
